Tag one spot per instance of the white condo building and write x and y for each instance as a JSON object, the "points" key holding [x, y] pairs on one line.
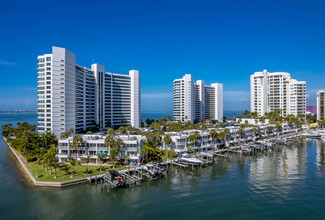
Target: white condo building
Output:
{"points": [[73, 96], [321, 105], [277, 91], [196, 102]]}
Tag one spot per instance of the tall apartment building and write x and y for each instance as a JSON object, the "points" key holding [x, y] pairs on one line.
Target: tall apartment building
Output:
{"points": [[277, 91], [196, 102], [73, 96], [321, 105]]}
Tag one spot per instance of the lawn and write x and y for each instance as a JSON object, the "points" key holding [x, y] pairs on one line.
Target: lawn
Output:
{"points": [[64, 172]]}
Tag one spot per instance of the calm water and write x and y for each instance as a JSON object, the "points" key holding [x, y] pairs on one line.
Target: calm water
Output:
{"points": [[288, 183]]}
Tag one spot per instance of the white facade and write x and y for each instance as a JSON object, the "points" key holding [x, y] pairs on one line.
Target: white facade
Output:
{"points": [[135, 98], [73, 96], [218, 101], [196, 102], [277, 91], [94, 144], [321, 105], [297, 97], [184, 98]]}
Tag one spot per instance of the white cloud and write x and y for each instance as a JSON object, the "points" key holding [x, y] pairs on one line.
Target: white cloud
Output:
{"points": [[244, 99], [7, 63]]}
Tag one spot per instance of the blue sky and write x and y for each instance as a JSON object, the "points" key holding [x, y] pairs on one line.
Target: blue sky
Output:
{"points": [[216, 41]]}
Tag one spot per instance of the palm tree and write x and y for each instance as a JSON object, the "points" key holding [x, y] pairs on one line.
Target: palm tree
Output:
{"points": [[167, 141], [192, 139], [73, 162], [213, 135], [129, 129], [226, 132], [246, 113], [51, 159], [240, 132], [40, 151], [101, 158], [111, 132], [150, 153], [269, 128], [108, 142], [87, 160], [76, 142], [55, 166], [196, 133], [118, 145]]}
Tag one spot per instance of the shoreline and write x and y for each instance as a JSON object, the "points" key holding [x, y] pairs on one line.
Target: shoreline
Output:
{"points": [[100, 176], [50, 184]]}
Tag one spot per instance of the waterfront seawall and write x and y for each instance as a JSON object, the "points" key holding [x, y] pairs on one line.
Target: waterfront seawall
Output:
{"points": [[49, 184]]}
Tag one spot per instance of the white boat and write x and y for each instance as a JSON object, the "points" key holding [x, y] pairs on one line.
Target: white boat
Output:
{"points": [[186, 158], [311, 135], [321, 133], [206, 154]]}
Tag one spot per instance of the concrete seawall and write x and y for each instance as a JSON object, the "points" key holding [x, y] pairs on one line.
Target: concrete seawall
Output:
{"points": [[49, 184]]}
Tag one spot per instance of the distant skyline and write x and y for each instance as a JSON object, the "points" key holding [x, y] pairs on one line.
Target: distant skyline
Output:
{"points": [[217, 41]]}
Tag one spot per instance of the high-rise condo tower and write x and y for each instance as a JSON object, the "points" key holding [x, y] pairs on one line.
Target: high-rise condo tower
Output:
{"points": [[277, 91], [73, 96], [197, 102]]}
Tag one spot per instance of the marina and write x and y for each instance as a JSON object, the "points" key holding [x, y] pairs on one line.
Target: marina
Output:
{"points": [[294, 166]]}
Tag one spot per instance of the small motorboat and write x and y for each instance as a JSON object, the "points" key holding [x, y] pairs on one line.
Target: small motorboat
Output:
{"points": [[311, 135], [115, 179], [187, 158]]}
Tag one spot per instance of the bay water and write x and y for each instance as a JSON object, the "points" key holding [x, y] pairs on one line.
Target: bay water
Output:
{"points": [[286, 183]]}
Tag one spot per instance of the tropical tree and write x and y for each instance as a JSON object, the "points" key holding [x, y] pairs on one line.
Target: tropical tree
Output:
{"points": [[73, 162], [213, 135], [122, 130], [50, 155], [246, 113], [192, 139], [115, 149], [226, 132], [167, 141], [7, 130], [48, 138], [87, 161], [149, 153], [55, 165], [111, 132], [89, 132], [254, 115], [101, 157], [76, 142], [269, 129], [40, 152], [109, 140], [129, 129], [240, 132]]}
